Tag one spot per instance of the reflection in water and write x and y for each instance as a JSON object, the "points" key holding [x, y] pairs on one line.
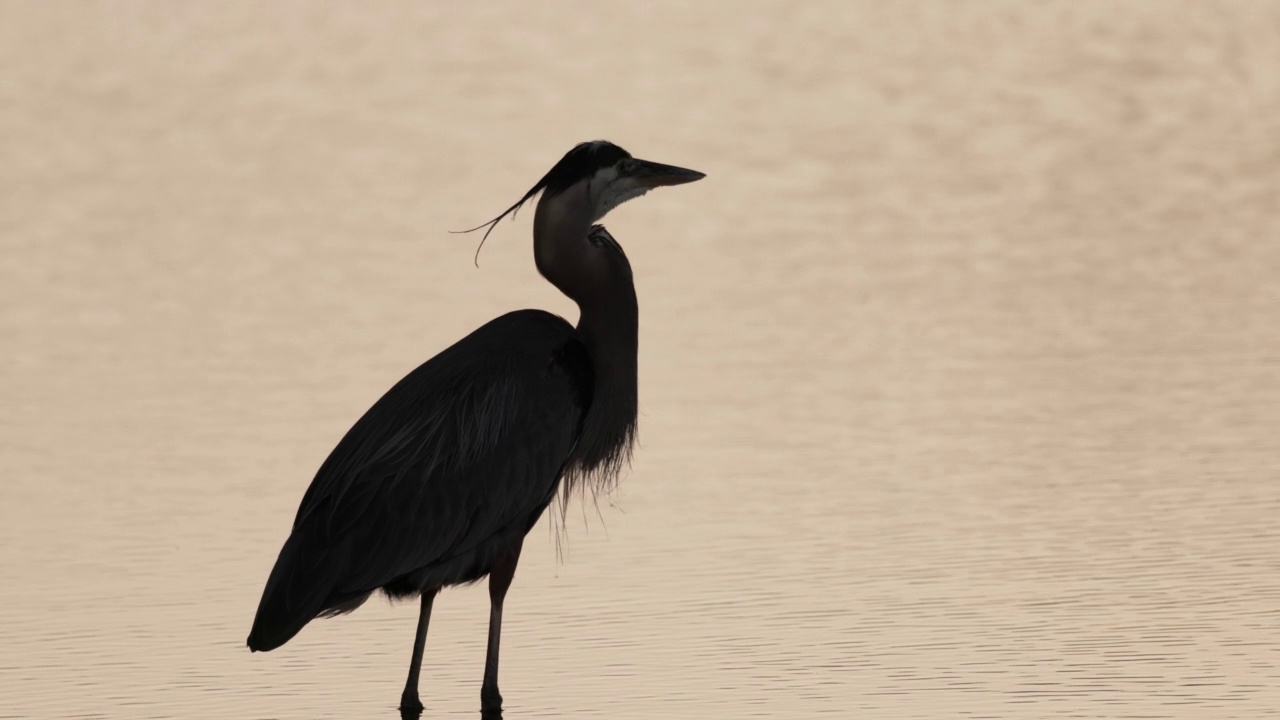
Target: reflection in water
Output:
{"points": [[406, 714], [958, 386]]}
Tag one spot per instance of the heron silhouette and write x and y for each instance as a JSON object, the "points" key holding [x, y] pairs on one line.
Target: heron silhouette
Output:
{"points": [[441, 479]]}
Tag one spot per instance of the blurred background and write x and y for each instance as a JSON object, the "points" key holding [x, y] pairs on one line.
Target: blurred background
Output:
{"points": [[960, 372]]}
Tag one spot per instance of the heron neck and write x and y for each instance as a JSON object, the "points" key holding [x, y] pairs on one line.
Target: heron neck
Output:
{"points": [[599, 281], [610, 332]]}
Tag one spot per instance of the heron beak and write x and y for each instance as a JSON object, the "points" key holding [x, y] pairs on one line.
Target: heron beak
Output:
{"points": [[652, 174]]}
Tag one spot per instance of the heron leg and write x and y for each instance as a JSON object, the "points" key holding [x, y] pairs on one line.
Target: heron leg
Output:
{"points": [[500, 575], [409, 698]]}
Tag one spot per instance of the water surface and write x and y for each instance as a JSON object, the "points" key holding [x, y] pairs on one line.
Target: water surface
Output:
{"points": [[960, 375]]}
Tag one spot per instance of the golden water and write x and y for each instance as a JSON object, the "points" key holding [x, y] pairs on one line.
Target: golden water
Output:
{"points": [[960, 372]]}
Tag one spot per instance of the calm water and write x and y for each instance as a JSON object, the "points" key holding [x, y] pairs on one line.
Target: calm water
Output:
{"points": [[960, 373]]}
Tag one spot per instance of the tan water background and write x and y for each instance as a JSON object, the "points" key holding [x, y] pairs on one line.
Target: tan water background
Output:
{"points": [[960, 372]]}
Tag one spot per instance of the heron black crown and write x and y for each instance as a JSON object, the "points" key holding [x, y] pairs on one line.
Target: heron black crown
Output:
{"points": [[580, 163]]}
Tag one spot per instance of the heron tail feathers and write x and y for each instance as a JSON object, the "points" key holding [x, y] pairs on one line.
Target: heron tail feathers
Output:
{"points": [[299, 588]]}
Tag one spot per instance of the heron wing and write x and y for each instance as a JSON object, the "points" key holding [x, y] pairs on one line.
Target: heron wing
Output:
{"points": [[467, 446]]}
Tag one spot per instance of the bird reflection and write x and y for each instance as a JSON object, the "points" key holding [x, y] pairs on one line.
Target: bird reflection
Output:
{"points": [[406, 714]]}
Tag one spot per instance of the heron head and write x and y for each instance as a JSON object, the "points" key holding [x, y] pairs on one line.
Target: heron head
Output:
{"points": [[602, 174], [613, 176], [608, 176]]}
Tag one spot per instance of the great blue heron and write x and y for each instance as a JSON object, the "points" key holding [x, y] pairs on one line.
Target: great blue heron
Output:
{"points": [[438, 483]]}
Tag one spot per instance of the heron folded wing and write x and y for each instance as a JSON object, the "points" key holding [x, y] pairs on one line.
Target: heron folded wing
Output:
{"points": [[465, 446]]}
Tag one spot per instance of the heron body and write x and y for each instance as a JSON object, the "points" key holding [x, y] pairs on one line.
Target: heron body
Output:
{"points": [[440, 480]]}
